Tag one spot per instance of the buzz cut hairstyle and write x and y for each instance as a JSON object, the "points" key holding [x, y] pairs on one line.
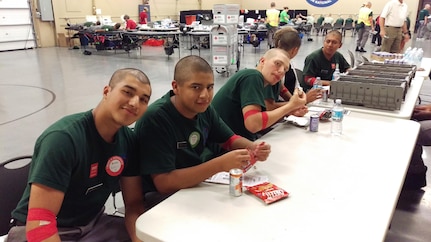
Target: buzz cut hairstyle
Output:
{"points": [[120, 74], [190, 65], [287, 38], [336, 33], [271, 53]]}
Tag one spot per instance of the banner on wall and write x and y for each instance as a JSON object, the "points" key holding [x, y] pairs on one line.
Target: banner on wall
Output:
{"points": [[321, 3]]}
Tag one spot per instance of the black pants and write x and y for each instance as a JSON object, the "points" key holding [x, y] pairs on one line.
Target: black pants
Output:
{"points": [[377, 36]]}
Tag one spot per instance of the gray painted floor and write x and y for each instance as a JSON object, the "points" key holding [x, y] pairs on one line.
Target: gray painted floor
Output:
{"points": [[39, 86]]}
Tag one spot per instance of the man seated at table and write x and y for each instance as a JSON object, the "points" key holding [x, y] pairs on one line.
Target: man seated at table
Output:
{"points": [[416, 173], [78, 162], [177, 132], [322, 62], [288, 40], [241, 101], [130, 23]]}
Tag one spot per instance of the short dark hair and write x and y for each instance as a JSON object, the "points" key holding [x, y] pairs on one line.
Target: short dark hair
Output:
{"points": [[189, 65], [336, 33], [120, 74], [287, 38]]}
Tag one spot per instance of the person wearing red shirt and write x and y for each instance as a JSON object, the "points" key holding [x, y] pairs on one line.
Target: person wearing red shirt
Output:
{"points": [[143, 16], [130, 23]]}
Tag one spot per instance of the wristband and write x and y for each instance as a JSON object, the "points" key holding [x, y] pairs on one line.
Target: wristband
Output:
{"points": [[284, 90]]}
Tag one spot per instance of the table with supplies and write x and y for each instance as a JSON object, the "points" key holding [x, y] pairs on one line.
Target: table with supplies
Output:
{"points": [[341, 188], [405, 111]]}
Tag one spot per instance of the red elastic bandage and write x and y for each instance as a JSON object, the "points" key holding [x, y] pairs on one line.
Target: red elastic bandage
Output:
{"points": [[284, 90], [228, 144], [264, 120], [250, 112], [310, 80], [47, 225]]}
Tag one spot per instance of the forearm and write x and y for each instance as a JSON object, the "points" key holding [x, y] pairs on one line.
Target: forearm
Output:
{"points": [[271, 104], [130, 221], [241, 143], [186, 177], [258, 121]]}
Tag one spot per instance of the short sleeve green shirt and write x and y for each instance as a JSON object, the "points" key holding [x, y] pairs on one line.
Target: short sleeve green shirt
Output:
{"points": [[316, 65], [168, 141], [71, 156], [244, 88]]}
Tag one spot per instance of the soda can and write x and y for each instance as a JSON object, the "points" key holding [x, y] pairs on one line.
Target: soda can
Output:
{"points": [[324, 95], [235, 182], [314, 123]]}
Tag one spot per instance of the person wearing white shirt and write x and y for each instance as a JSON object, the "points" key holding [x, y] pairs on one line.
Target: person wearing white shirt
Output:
{"points": [[393, 27]]}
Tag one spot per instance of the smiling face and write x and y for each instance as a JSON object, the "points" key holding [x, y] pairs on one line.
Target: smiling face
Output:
{"points": [[194, 95], [127, 99], [273, 65]]}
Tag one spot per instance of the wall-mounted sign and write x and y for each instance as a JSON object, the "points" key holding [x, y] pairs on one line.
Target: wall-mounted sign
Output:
{"points": [[321, 3]]}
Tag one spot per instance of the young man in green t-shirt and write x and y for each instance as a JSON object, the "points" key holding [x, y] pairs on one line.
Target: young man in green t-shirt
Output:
{"points": [[78, 162], [322, 62], [177, 134], [241, 101]]}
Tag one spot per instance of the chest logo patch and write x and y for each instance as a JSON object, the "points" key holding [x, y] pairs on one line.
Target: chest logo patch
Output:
{"points": [[114, 166], [194, 139]]}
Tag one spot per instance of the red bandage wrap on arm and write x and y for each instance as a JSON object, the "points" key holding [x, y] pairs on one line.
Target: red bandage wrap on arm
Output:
{"points": [[264, 120], [250, 112], [310, 80], [228, 144], [284, 90], [48, 224]]}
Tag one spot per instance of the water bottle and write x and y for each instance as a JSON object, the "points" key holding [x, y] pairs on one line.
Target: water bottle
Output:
{"points": [[336, 74], [317, 85], [337, 118]]}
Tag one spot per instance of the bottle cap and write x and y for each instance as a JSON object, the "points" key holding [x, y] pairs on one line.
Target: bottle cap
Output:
{"points": [[338, 101]]}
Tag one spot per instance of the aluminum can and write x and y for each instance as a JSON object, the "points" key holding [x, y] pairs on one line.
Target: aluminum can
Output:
{"points": [[235, 182], [314, 123], [324, 95]]}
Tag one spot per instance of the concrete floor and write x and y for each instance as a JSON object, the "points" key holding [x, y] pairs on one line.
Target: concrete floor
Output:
{"points": [[39, 86]]}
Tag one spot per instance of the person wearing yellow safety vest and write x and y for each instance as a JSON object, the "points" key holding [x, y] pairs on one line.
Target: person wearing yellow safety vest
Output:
{"points": [[365, 23]]}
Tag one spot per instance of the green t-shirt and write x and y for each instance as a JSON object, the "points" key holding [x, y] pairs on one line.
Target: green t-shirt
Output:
{"points": [[71, 156], [339, 21], [316, 65], [423, 14], [242, 89], [168, 141], [284, 17], [320, 20]]}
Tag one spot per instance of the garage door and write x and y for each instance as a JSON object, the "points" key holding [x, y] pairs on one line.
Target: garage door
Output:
{"points": [[16, 28]]}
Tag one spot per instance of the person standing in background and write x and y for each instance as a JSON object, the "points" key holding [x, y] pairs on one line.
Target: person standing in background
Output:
{"points": [[393, 25], [365, 17], [284, 16], [423, 20], [143, 16], [406, 37], [272, 20], [376, 35]]}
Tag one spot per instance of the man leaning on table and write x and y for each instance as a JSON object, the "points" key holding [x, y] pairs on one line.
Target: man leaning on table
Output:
{"points": [[178, 129], [322, 62], [78, 162]]}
